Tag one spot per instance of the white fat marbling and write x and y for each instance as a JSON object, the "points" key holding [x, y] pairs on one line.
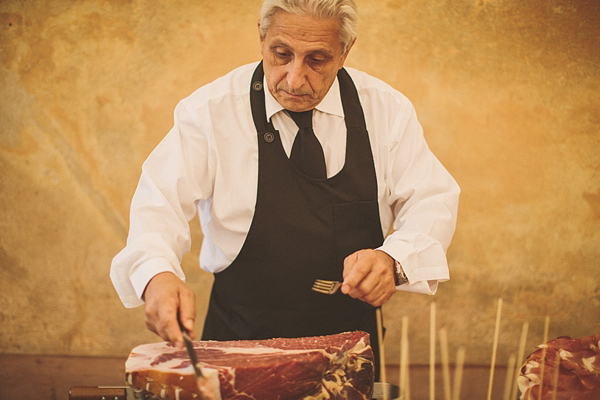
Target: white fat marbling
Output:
{"points": [[564, 354], [588, 363], [142, 356]]}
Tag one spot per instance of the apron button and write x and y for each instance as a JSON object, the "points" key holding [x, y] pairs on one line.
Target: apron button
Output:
{"points": [[257, 86], [269, 137]]}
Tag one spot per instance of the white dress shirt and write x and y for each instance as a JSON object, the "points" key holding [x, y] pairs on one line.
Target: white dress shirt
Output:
{"points": [[208, 164]]}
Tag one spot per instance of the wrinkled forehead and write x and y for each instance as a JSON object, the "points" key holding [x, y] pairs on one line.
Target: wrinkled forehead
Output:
{"points": [[304, 30]]}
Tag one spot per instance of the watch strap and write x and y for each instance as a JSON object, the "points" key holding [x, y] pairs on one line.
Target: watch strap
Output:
{"points": [[399, 277]]}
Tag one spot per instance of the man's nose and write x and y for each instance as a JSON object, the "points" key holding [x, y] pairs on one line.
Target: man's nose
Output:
{"points": [[296, 75]]}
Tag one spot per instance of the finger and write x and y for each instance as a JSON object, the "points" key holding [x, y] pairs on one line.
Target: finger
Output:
{"points": [[372, 280], [170, 327], [380, 278], [187, 310], [164, 323], [378, 301], [380, 295], [349, 262], [356, 268], [368, 290], [161, 316], [370, 283]]}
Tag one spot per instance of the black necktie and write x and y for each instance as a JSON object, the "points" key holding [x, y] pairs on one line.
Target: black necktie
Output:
{"points": [[307, 153]]}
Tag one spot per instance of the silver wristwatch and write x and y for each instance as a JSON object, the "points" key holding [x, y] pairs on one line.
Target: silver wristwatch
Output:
{"points": [[400, 276]]}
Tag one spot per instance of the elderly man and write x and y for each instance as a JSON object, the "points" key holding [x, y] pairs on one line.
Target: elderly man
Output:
{"points": [[298, 169]]}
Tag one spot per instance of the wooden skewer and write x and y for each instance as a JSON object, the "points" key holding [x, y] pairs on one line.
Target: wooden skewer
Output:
{"points": [[520, 358], [543, 362], [382, 376], [404, 360], [445, 363], [458, 372], [407, 375], [495, 348], [432, 352], [509, 369], [555, 380]]}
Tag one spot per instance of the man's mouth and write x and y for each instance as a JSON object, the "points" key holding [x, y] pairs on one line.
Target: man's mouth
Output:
{"points": [[294, 95]]}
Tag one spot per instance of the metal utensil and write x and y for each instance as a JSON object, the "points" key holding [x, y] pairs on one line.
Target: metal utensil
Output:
{"points": [[326, 287], [201, 381], [392, 392], [187, 340], [383, 390]]}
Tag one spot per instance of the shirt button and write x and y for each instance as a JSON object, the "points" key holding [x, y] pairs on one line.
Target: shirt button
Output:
{"points": [[257, 86], [269, 137]]}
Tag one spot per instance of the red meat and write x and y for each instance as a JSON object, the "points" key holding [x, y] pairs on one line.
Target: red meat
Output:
{"points": [[578, 364], [324, 367]]}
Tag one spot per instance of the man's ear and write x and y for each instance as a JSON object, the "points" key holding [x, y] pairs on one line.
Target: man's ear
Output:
{"points": [[346, 54], [259, 33]]}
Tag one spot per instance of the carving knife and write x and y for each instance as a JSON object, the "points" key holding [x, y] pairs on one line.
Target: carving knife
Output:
{"points": [[187, 340], [205, 391]]}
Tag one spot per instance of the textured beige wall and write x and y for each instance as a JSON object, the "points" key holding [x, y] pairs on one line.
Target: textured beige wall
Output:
{"points": [[507, 91]]}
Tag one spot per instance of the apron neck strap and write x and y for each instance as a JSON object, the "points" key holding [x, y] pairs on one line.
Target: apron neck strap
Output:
{"points": [[348, 94]]}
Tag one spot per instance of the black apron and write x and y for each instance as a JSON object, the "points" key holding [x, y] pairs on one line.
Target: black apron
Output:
{"points": [[302, 230]]}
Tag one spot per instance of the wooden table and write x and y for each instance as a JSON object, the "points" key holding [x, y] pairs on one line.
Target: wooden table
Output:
{"points": [[27, 377]]}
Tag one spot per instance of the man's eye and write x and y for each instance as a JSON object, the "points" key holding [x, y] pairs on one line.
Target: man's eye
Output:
{"points": [[282, 54]]}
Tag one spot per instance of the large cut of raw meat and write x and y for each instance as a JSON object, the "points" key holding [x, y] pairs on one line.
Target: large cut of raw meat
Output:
{"points": [[568, 369], [323, 367]]}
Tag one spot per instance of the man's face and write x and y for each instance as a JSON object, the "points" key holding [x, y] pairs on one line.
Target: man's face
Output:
{"points": [[301, 58]]}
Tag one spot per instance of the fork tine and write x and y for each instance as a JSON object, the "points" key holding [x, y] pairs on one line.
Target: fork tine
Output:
{"points": [[323, 281], [325, 286]]}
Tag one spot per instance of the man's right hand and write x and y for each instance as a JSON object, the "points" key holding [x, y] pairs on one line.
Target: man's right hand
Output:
{"points": [[167, 298]]}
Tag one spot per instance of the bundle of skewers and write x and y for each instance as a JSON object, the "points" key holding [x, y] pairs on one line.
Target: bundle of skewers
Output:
{"points": [[560, 369]]}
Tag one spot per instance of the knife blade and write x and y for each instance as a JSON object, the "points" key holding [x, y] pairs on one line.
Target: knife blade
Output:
{"points": [[204, 389], [189, 346]]}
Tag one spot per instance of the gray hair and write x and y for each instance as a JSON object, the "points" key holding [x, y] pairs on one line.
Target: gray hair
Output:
{"points": [[343, 10]]}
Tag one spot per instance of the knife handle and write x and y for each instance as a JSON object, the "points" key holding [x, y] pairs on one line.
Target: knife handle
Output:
{"points": [[98, 393]]}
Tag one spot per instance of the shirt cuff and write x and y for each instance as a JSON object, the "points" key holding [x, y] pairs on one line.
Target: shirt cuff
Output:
{"points": [[422, 287], [142, 274], [421, 279]]}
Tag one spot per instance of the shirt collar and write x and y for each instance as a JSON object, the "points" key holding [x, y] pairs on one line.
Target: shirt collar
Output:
{"points": [[331, 103]]}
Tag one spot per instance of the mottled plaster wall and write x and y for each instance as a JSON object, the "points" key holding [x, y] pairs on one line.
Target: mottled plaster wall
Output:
{"points": [[507, 91]]}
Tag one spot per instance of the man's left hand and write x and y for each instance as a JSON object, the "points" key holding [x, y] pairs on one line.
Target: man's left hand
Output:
{"points": [[369, 276]]}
